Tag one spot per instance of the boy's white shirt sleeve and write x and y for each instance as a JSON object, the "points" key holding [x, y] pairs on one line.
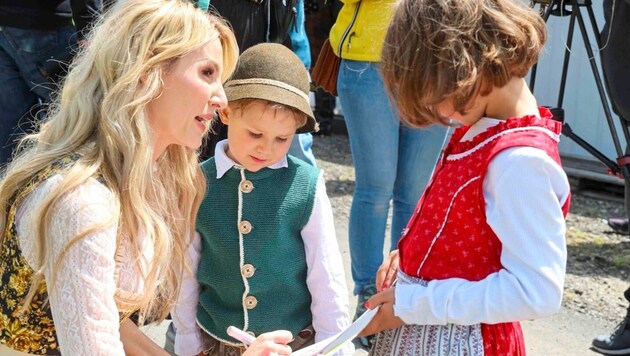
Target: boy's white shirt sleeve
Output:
{"points": [[524, 190], [325, 276], [188, 339], [82, 298]]}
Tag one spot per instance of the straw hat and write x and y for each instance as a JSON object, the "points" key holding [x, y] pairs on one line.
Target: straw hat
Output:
{"points": [[272, 72]]}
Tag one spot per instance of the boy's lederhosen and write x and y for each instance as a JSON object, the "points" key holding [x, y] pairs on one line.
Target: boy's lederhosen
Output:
{"points": [[33, 331], [453, 207], [252, 270]]}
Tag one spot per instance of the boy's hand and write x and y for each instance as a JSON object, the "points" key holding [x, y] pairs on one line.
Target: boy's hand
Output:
{"points": [[271, 343], [385, 318], [386, 274], [268, 344]]}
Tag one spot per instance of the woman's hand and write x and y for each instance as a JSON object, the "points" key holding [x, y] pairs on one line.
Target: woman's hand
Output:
{"points": [[272, 343], [386, 274], [136, 343], [385, 318]]}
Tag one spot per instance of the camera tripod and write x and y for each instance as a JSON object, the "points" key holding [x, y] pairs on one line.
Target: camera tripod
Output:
{"points": [[573, 9]]}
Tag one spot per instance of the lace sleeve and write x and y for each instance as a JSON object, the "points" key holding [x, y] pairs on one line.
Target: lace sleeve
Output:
{"points": [[82, 298]]}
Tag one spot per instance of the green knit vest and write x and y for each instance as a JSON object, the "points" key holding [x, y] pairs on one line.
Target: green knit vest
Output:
{"points": [[277, 208]]}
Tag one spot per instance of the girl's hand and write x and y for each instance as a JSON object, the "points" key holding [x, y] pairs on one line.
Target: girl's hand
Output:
{"points": [[272, 343], [386, 274], [385, 318]]}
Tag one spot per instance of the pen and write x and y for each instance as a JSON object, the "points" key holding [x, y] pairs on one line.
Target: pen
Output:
{"points": [[240, 335]]}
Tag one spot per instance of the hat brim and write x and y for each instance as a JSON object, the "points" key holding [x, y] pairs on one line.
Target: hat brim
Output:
{"points": [[278, 95]]}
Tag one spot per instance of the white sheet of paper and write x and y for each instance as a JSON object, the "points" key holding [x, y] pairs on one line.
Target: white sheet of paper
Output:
{"points": [[328, 346]]}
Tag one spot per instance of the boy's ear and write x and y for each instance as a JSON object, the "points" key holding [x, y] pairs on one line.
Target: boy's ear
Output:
{"points": [[224, 115]]}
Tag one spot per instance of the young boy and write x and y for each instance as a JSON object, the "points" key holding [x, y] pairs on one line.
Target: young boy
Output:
{"points": [[265, 255]]}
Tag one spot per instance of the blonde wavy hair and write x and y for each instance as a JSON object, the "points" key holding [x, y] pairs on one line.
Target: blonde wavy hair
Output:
{"points": [[100, 114], [458, 49]]}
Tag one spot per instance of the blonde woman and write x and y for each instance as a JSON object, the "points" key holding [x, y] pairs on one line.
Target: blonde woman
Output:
{"points": [[98, 207]]}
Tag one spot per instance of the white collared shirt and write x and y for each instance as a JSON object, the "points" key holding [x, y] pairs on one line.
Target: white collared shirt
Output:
{"points": [[524, 191]]}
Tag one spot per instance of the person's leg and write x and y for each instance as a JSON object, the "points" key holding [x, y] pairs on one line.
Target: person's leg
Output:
{"points": [[301, 148], [617, 79], [618, 342], [373, 131], [619, 225], [169, 339], [22, 83], [15, 101], [418, 152], [319, 20], [324, 111]]}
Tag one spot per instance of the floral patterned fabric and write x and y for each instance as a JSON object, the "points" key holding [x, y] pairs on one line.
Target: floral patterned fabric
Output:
{"points": [[33, 330]]}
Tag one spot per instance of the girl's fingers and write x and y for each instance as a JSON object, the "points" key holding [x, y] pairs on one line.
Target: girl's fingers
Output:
{"points": [[381, 277], [386, 296], [386, 274]]}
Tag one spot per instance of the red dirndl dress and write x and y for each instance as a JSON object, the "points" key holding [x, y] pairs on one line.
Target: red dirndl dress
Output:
{"points": [[448, 237]]}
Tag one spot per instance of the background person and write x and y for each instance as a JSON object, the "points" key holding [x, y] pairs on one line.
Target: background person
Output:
{"points": [[320, 16], [616, 68], [393, 162]]}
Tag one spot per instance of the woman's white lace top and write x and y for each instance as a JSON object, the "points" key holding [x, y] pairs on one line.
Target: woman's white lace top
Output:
{"points": [[82, 300]]}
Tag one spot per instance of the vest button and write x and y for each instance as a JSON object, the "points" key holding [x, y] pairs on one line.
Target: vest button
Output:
{"points": [[245, 227], [248, 270], [246, 186], [251, 302]]}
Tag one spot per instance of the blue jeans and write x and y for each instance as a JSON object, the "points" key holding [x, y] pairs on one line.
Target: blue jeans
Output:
{"points": [[391, 161], [22, 85]]}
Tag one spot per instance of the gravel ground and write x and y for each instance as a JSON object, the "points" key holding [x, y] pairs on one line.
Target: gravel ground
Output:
{"points": [[599, 260]]}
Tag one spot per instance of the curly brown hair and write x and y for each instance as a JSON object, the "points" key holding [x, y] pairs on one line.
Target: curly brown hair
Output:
{"points": [[458, 49]]}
